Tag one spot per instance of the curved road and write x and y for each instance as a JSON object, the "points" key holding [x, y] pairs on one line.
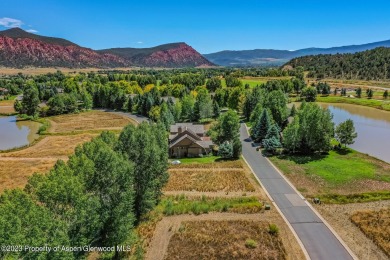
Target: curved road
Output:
{"points": [[317, 238]]}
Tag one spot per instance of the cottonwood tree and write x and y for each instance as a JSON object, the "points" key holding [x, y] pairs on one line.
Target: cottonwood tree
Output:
{"points": [[311, 131], [345, 133]]}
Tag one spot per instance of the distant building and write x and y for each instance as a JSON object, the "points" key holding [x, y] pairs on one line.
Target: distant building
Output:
{"points": [[3, 91], [188, 140]]}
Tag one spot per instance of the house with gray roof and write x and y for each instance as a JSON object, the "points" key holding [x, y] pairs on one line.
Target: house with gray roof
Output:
{"points": [[188, 140]]}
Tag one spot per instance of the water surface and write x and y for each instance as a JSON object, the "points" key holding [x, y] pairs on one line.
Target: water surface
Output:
{"points": [[15, 133], [372, 126]]}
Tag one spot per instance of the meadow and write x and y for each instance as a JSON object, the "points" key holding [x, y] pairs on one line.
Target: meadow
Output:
{"points": [[18, 165], [234, 239], [375, 225], [339, 172], [374, 103]]}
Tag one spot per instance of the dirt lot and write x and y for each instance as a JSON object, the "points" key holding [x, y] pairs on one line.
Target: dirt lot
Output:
{"points": [[338, 216], [92, 120]]}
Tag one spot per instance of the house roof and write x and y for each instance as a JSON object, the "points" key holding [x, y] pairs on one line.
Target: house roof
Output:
{"points": [[198, 129]]}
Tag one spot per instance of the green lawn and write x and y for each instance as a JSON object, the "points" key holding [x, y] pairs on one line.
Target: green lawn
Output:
{"points": [[208, 159], [384, 105], [334, 172]]}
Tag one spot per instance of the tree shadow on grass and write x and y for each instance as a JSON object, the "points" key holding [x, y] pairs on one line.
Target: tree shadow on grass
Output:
{"points": [[343, 151], [302, 158]]}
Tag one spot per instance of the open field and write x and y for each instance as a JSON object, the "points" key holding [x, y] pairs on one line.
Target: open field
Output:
{"points": [[335, 173], [224, 240], [170, 226], [198, 164], [218, 191], [176, 205], [91, 120], [375, 103], [339, 217], [14, 172], [16, 166], [375, 225], [52, 146], [7, 107], [253, 81], [354, 83], [208, 180]]}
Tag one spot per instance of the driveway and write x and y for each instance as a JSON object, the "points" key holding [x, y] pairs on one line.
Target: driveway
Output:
{"points": [[317, 238]]}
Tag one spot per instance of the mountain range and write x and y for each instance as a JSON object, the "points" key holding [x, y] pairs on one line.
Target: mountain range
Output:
{"points": [[270, 57], [19, 49]]}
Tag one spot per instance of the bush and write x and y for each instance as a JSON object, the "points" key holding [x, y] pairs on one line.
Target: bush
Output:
{"points": [[250, 243], [273, 229]]}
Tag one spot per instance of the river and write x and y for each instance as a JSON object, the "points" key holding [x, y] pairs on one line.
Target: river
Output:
{"points": [[372, 126], [14, 133]]}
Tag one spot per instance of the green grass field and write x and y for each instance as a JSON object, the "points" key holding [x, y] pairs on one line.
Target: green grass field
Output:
{"points": [[208, 159], [380, 104], [182, 205], [344, 172]]}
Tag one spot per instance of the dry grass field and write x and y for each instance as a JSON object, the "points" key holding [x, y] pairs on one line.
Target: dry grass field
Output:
{"points": [[92, 120], [7, 107], [234, 239], [375, 225], [14, 172], [220, 164], [16, 166], [208, 180], [339, 217], [52, 146]]}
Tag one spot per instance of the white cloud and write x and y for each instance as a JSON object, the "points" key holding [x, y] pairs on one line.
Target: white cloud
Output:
{"points": [[140, 42], [31, 31], [10, 22]]}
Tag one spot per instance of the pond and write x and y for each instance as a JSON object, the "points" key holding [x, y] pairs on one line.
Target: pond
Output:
{"points": [[372, 126], [14, 133]]}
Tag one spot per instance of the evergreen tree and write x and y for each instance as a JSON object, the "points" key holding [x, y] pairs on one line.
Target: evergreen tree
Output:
{"points": [[262, 126], [272, 139], [225, 150], [359, 92], [385, 94]]}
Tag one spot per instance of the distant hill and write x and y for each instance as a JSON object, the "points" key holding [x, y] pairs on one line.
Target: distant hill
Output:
{"points": [[270, 57], [170, 55], [367, 65], [19, 49]]}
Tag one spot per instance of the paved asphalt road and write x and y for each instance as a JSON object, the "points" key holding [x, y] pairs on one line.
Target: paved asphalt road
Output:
{"points": [[319, 241]]}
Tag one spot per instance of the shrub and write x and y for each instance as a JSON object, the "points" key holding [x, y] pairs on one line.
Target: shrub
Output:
{"points": [[250, 243], [273, 229]]}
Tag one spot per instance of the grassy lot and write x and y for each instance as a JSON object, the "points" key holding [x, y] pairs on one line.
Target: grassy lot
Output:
{"points": [[7, 107], [341, 173], [233, 239], [208, 180], [91, 120], [207, 163], [355, 83], [376, 226], [180, 204], [52, 146], [207, 159], [384, 105], [15, 173], [17, 165]]}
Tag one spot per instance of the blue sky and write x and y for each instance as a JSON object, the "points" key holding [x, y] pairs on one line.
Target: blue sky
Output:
{"points": [[208, 26]]}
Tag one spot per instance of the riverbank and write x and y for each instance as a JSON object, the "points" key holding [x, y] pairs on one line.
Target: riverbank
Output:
{"points": [[338, 177], [374, 103]]}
